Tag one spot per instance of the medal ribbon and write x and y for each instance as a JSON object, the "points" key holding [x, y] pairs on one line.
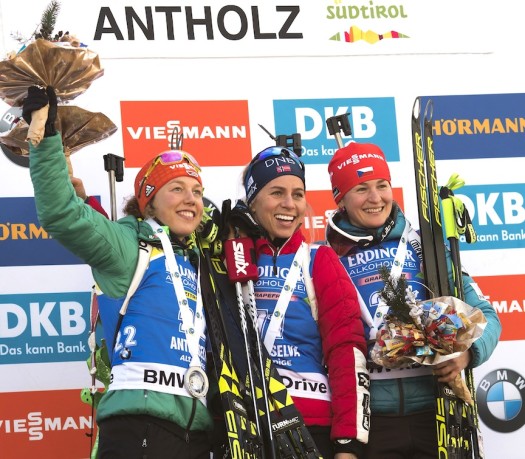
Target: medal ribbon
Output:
{"points": [[193, 327]]}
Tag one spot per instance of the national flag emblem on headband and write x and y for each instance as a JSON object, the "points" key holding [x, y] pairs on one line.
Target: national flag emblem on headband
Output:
{"points": [[281, 169], [365, 171]]}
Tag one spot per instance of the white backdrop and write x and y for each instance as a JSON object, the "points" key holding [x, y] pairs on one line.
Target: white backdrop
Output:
{"points": [[473, 47]]}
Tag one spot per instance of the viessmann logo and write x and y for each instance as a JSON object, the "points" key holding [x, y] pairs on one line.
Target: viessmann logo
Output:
{"points": [[216, 132], [506, 294]]}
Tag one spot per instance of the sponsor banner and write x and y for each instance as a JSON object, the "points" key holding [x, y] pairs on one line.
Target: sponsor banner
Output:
{"points": [[39, 328], [501, 396], [500, 393], [497, 213], [217, 133], [200, 28], [24, 241], [371, 119], [478, 126], [322, 205], [50, 424], [507, 295], [7, 122], [45, 376]]}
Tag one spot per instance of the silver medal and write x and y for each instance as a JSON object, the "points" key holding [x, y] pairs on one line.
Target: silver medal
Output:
{"points": [[196, 382]]}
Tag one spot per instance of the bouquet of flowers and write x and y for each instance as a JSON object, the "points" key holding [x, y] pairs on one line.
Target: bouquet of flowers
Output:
{"points": [[427, 332], [62, 62]]}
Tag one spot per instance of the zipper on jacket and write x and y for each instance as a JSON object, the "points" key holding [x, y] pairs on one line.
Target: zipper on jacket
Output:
{"points": [[145, 442], [274, 260], [190, 422], [401, 397], [276, 251]]}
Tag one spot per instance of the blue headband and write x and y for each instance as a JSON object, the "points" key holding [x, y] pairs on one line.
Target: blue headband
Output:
{"points": [[269, 164]]}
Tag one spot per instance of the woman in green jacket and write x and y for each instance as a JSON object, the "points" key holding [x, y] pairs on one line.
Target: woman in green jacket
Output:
{"points": [[155, 406]]}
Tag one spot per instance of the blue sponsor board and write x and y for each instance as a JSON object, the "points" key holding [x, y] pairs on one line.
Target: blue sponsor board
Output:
{"points": [[46, 327], [372, 120], [23, 240], [497, 213], [478, 126]]}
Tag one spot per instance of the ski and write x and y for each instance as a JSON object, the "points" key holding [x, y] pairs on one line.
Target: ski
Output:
{"points": [[456, 421], [457, 222], [269, 426], [243, 436]]}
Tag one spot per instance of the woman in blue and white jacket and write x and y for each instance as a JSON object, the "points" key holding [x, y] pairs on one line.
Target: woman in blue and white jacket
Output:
{"points": [[368, 231]]}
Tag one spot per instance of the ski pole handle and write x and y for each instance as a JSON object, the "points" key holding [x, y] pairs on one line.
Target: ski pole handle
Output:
{"points": [[114, 166], [336, 124], [240, 259]]}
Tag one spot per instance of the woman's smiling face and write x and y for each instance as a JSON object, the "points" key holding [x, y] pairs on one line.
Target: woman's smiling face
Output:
{"points": [[280, 206], [369, 204], [178, 204]]}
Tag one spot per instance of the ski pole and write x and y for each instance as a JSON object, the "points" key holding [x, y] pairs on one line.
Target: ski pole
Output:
{"points": [[241, 431], [240, 255], [292, 142], [114, 166], [295, 440], [336, 124], [244, 327], [252, 311], [457, 222]]}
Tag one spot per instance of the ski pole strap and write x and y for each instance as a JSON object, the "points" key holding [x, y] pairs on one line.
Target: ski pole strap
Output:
{"points": [[455, 215]]}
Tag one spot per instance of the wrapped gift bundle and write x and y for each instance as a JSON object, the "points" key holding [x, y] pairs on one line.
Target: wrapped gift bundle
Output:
{"points": [[67, 65], [427, 332]]}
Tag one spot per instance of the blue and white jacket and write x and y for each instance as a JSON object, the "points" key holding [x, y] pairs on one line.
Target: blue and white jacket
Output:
{"points": [[410, 389]]}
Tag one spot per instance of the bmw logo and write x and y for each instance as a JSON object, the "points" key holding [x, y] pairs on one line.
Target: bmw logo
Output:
{"points": [[501, 400]]}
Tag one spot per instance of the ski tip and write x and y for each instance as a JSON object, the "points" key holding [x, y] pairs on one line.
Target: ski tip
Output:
{"points": [[416, 108], [429, 110]]}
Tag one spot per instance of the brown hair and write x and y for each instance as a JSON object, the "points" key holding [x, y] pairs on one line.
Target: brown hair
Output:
{"points": [[131, 207]]}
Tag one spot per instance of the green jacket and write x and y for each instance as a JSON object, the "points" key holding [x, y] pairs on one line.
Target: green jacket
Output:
{"points": [[111, 249]]}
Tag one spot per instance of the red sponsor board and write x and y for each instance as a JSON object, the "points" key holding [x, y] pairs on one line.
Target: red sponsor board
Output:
{"points": [[321, 203], [44, 425], [507, 295], [216, 132]]}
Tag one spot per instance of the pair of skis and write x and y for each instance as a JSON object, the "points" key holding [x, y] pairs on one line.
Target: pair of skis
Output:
{"points": [[456, 421], [261, 418]]}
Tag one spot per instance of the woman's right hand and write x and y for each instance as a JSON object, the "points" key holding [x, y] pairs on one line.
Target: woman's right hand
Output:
{"points": [[78, 185]]}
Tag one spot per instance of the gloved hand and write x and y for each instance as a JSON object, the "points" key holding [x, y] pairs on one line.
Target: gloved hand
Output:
{"points": [[211, 218], [239, 219], [38, 97]]}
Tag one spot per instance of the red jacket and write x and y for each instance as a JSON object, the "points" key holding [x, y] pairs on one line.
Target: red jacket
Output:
{"points": [[344, 346]]}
